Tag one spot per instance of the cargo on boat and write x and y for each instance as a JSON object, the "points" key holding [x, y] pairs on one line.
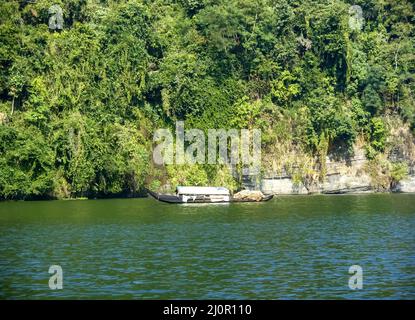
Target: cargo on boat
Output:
{"points": [[208, 195]]}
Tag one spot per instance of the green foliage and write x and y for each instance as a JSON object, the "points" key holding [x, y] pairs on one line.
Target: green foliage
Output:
{"points": [[78, 107], [385, 174], [377, 138], [186, 175], [377, 134], [398, 172], [199, 175], [246, 114], [27, 163], [223, 177]]}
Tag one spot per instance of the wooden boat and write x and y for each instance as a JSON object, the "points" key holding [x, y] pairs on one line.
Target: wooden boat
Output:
{"points": [[202, 195]]}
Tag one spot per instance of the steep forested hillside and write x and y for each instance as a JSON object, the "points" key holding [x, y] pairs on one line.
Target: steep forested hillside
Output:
{"points": [[78, 106]]}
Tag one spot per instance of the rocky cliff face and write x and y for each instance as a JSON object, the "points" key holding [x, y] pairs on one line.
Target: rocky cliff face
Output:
{"points": [[343, 176], [336, 183], [283, 185], [407, 185], [356, 174]]}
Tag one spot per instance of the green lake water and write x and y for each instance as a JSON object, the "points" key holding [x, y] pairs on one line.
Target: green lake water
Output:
{"points": [[296, 247]]}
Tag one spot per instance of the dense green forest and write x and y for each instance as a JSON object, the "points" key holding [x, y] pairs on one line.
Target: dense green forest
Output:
{"points": [[78, 106]]}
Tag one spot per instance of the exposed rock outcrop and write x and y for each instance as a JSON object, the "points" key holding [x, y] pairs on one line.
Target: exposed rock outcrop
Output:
{"points": [[333, 185], [282, 186], [357, 174], [346, 184], [406, 185]]}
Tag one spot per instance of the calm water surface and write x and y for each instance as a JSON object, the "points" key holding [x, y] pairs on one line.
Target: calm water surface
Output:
{"points": [[291, 247]]}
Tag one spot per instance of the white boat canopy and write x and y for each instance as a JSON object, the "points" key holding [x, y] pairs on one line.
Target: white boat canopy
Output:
{"points": [[202, 190]]}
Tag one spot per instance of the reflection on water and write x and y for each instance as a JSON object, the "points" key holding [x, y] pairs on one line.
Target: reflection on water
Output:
{"points": [[291, 247]]}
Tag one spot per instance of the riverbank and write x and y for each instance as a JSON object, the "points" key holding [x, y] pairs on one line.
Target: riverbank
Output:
{"points": [[335, 184], [282, 185]]}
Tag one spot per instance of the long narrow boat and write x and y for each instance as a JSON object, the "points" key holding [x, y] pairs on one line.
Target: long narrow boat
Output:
{"points": [[202, 195]]}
